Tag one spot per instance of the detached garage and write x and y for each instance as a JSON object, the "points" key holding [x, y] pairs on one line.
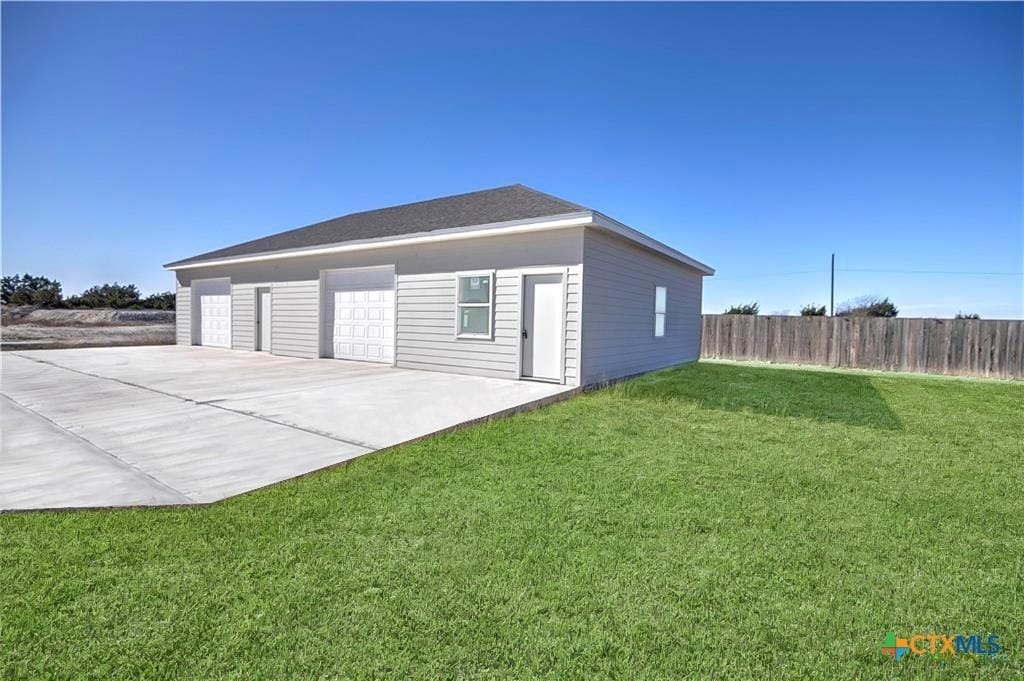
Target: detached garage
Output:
{"points": [[508, 282]]}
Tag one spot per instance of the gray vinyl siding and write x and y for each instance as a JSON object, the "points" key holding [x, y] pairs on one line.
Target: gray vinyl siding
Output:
{"points": [[573, 299], [425, 331], [556, 248], [243, 317], [618, 309], [183, 316], [609, 317], [425, 297], [295, 318]]}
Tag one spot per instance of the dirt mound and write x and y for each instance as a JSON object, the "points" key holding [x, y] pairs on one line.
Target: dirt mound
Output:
{"points": [[27, 314], [36, 337]]}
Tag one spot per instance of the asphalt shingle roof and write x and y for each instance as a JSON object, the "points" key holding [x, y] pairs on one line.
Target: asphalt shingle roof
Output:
{"points": [[515, 202]]}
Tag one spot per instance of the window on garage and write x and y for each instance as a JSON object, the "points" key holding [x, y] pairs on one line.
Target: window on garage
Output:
{"points": [[660, 300], [475, 304]]}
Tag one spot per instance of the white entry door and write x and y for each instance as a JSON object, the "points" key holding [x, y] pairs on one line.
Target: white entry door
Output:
{"points": [[360, 314], [543, 303], [263, 324]]}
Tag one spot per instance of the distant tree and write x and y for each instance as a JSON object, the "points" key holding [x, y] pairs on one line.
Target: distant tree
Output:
{"points": [[749, 308], [812, 310], [867, 306], [26, 289], [117, 296], [967, 315], [7, 288], [159, 301]]}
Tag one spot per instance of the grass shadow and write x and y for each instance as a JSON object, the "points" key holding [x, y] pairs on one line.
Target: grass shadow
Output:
{"points": [[825, 396]]}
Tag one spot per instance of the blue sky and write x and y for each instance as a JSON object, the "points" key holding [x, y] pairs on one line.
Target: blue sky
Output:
{"points": [[757, 138]]}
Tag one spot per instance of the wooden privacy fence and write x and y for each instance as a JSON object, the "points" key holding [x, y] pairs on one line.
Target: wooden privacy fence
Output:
{"points": [[967, 347]]}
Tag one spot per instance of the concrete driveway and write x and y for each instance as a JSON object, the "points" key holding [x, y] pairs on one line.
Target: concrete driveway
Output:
{"points": [[180, 425]]}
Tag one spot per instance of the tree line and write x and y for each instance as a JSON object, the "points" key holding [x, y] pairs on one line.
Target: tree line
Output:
{"points": [[27, 289], [866, 306]]}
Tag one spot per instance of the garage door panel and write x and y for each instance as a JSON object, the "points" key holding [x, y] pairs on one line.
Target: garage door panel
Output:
{"points": [[215, 320], [212, 299], [360, 310]]}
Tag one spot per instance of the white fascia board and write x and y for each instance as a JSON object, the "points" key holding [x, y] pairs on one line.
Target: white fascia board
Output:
{"points": [[580, 219], [614, 226]]}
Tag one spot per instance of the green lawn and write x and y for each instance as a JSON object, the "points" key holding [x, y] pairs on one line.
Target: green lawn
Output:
{"points": [[716, 520]]}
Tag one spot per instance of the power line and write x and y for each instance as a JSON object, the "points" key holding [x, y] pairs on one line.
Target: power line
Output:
{"points": [[774, 274], [762, 275], [932, 271]]}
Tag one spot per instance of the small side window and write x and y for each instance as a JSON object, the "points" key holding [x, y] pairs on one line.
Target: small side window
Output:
{"points": [[475, 305], [660, 301]]}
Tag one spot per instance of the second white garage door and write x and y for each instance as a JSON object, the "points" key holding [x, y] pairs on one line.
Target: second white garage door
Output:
{"points": [[359, 314], [215, 315], [212, 300]]}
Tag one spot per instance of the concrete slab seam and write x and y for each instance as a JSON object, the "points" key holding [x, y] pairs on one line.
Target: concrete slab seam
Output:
{"points": [[204, 403], [92, 445]]}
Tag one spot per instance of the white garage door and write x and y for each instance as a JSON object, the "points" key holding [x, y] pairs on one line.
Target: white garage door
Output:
{"points": [[360, 314], [212, 300], [215, 317]]}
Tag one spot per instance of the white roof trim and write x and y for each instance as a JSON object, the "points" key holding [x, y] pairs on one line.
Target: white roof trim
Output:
{"points": [[438, 235], [580, 219], [606, 223]]}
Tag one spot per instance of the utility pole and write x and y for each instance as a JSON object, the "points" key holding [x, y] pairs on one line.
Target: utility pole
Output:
{"points": [[832, 294]]}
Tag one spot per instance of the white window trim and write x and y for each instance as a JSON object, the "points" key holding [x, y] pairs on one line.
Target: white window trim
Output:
{"points": [[664, 314], [489, 305]]}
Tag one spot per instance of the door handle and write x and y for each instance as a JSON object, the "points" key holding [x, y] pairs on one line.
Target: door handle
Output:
{"points": [[525, 335]]}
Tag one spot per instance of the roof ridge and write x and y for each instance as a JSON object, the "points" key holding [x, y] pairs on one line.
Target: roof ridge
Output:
{"points": [[436, 198], [550, 196], [396, 206]]}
